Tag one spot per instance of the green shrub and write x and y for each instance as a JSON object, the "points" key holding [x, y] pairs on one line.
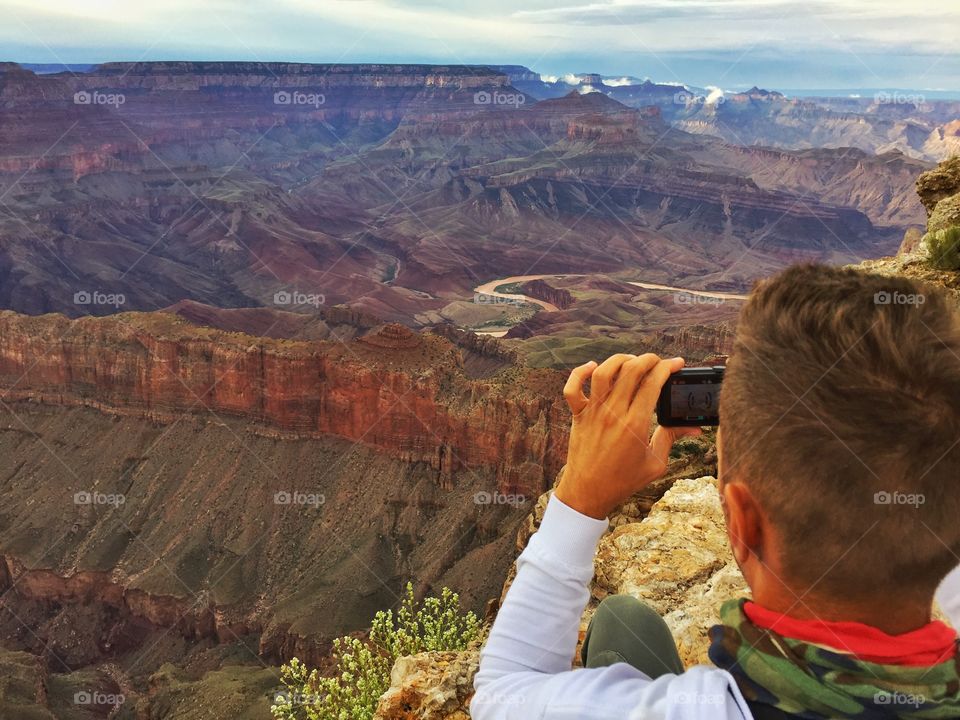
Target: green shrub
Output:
{"points": [[944, 248], [362, 671]]}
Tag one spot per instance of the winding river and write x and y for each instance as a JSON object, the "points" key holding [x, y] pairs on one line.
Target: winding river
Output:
{"points": [[490, 288]]}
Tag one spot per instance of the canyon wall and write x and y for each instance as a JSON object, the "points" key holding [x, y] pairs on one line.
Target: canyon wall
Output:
{"points": [[398, 391], [262, 479]]}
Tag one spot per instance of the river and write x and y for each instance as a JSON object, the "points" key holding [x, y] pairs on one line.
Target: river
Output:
{"points": [[489, 288]]}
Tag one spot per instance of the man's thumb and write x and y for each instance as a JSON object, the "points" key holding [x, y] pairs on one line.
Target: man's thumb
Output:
{"points": [[664, 438]]}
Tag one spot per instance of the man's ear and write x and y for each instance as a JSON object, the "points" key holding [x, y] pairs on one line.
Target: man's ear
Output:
{"points": [[744, 522]]}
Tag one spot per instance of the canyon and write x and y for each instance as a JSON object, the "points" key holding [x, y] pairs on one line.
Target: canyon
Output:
{"points": [[242, 401], [395, 189], [190, 496]]}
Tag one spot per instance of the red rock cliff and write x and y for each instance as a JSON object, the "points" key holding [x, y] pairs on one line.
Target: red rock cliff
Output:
{"points": [[393, 389]]}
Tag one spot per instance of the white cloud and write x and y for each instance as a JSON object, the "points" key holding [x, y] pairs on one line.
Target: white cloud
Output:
{"points": [[879, 41], [714, 96]]}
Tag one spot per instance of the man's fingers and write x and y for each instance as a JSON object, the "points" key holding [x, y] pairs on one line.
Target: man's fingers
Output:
{"points": [[573, 390], [651, 385], [604, 376], [628, 382], [664, 438]]}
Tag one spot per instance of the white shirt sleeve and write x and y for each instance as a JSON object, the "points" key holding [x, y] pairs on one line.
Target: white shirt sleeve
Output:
{"points": [[948, 597], [525, 668]]}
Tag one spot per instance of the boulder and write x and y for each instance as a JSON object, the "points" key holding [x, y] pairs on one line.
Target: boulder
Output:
{"points": [[430, 686], [939, 183]]}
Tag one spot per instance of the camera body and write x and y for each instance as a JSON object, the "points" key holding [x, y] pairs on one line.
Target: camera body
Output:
{"points": [[691, 398]]}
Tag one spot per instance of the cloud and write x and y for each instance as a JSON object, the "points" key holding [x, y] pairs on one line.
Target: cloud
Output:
{"points": [[620, 82], [714, 96], [841, 43]]}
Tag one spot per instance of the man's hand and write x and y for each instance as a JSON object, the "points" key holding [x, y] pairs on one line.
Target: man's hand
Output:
{"points": [[611, 455]]}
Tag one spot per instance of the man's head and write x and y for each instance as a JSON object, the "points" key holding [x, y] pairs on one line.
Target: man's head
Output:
{"points": [[840, 422]]}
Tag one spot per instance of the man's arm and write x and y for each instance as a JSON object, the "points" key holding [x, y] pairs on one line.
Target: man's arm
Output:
{"points": [[525, 666]]}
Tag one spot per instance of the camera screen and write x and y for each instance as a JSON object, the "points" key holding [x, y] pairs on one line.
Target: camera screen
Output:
{"points": [[692, 399]]}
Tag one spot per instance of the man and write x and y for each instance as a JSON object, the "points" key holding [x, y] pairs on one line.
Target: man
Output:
{"points": [[839, 464]]}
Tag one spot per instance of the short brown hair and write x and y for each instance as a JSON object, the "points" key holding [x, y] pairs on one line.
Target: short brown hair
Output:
{"points": [[841, 411]]}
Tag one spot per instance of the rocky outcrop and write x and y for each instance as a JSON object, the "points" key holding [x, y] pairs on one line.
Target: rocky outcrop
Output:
{"points": [[939, 191], [543, 290], [946, 213], [430, 686], [678, 560], [939, 183]]}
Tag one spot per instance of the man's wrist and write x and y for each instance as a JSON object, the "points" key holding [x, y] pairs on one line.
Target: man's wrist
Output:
{"points": [[576, 498]]}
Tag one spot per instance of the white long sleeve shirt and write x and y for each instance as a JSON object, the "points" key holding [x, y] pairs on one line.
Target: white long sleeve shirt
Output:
{"points": [[525, 666]]}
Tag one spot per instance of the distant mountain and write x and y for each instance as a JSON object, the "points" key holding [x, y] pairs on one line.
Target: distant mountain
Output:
{"points": [[907, 121], [394, 188], [45, 68]]}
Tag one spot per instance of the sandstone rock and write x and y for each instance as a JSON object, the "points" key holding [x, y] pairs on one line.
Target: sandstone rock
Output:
{"points": [[939, 183], [669, 548], [914, 265], [678, 560], [701, 610], [394, 389], [430, 686], [392, 336], [542, 290], [911, 242], [631, 511], [673, 555], [945, 214]]}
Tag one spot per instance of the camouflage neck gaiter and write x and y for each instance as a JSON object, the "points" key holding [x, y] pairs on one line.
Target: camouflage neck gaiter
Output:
{"points": [[817, 683]]}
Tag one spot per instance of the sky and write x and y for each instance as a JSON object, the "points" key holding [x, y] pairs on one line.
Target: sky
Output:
{"points": [[776, 44]]}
